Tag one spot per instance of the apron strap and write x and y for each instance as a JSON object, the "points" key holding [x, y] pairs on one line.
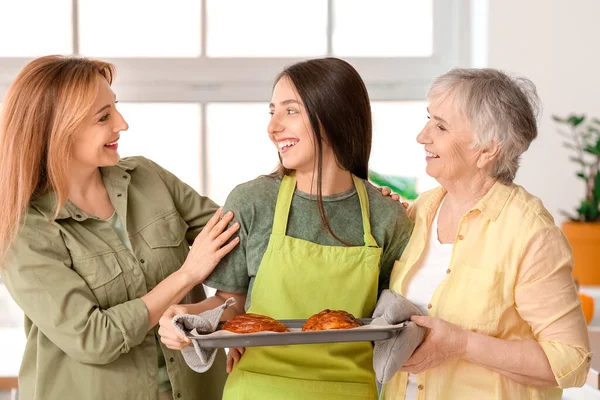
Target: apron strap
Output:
{"points": [[284, 202], [363, 197]]}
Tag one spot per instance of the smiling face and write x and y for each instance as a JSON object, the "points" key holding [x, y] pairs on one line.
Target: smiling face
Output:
{"points": [[96, 144], [290, 130], [448, 141]]}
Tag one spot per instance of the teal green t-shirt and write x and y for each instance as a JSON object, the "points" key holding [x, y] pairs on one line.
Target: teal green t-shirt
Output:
{"points": [[253, 204]]}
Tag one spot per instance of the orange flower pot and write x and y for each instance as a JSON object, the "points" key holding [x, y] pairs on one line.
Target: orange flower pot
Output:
{"points": [[584, 238], [587, 303]]}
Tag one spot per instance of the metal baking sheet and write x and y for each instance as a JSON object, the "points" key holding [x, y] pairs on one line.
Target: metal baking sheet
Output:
{"points": [[372, 330]]}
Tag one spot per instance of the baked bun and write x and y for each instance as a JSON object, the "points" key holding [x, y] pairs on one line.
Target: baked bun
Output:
{"points": [[251, 323], [331, 319]]}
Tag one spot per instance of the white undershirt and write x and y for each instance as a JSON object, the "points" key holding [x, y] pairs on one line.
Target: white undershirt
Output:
{"points": [[424, 278]]}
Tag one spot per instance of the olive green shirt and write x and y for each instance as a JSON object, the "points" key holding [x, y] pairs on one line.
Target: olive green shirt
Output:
{"points": [[253, 204], [80, 288], [164, 385]]}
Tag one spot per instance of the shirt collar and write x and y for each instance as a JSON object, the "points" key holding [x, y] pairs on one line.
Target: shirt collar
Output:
{"points": [[46, 203], [491, 205]]}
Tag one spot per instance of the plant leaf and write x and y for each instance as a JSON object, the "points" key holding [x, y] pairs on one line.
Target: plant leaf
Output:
{"points": [[577, 160], [575, 120], [564, 134], [593, 213], [568, 215], [592, 150], [584, 210], [582, 175], [597, 187], [591, 129], [405, 187], [559, 119]]}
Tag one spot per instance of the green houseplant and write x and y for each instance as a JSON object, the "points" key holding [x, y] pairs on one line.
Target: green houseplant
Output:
{"points": [[584, 139], [583, 229], [404, 186]]}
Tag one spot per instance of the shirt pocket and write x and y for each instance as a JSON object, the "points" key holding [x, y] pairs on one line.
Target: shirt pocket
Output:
{"points": [[104, 277], [476, 295], [166, 239]]}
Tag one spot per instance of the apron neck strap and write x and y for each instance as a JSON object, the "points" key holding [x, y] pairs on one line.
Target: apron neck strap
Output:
{"points": [[284, 202], [363, 197]]}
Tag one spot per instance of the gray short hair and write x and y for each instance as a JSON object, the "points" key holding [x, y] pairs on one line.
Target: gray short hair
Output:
{"points": [[500, 108]]}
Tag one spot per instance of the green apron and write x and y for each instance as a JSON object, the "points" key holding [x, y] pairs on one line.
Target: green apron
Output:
{"points": [[295, 280]]}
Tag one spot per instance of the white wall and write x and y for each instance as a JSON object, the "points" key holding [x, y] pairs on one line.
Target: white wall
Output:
{"points": [[556, 44]]}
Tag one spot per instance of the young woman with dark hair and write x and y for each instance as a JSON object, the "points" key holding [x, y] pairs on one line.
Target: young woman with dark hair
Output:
{"points": [[313, 235]]}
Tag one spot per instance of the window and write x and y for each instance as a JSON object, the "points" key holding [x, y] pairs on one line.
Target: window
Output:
{"points": [[31, 28], [139, 28], [271, 32], [197, 72], [12, 344], [364, 29], [195, 76], [395, 150], [238, 147], [157, 131]]}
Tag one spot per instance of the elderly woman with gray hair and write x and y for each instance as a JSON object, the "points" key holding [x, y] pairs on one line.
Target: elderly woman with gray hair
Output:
{"points": [[486, 262]]}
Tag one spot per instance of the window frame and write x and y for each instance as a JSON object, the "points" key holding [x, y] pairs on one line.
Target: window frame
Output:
{"points": [[206, 80]]}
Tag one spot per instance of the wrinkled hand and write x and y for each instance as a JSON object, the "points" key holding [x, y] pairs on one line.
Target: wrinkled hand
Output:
{"points": [[234, 356], [387, 192], [170, 336], [444, 341], [210, 246]]}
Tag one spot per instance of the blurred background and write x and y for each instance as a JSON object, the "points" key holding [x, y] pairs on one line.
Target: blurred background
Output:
{"points": [[195, 76]]}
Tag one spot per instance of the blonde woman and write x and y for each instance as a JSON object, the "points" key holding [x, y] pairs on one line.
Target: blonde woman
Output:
{"points": [[94, 248]]}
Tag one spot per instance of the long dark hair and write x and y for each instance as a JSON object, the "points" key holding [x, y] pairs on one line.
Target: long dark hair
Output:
{"points": [[338, 108]]}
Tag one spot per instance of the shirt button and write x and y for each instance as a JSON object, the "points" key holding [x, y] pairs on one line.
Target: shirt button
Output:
{"points": [[448, 270], [420, 387], [588, 359], [142, 261], [124, 176], [77, 215], [430, 306], [460, 237], [178, 395], [171, 359], [119, 195]]}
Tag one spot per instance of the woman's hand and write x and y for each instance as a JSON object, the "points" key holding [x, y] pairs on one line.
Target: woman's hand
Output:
{"points": [[170, 336], [233, 357], [387, 192], [210, 246], [444, 341]]}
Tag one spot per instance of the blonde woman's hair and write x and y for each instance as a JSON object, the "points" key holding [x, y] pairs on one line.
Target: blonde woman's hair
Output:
{"points": [[42, 111]]}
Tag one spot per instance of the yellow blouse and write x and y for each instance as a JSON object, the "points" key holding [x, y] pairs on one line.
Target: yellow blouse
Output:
{"points": [[509, 277]]}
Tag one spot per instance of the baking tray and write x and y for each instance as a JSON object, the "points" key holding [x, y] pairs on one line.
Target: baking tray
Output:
{"points": [[372, 330]]}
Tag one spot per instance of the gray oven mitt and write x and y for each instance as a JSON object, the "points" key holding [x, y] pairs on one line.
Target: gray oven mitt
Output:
{"points": [[196, 357], [391, 354]]}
